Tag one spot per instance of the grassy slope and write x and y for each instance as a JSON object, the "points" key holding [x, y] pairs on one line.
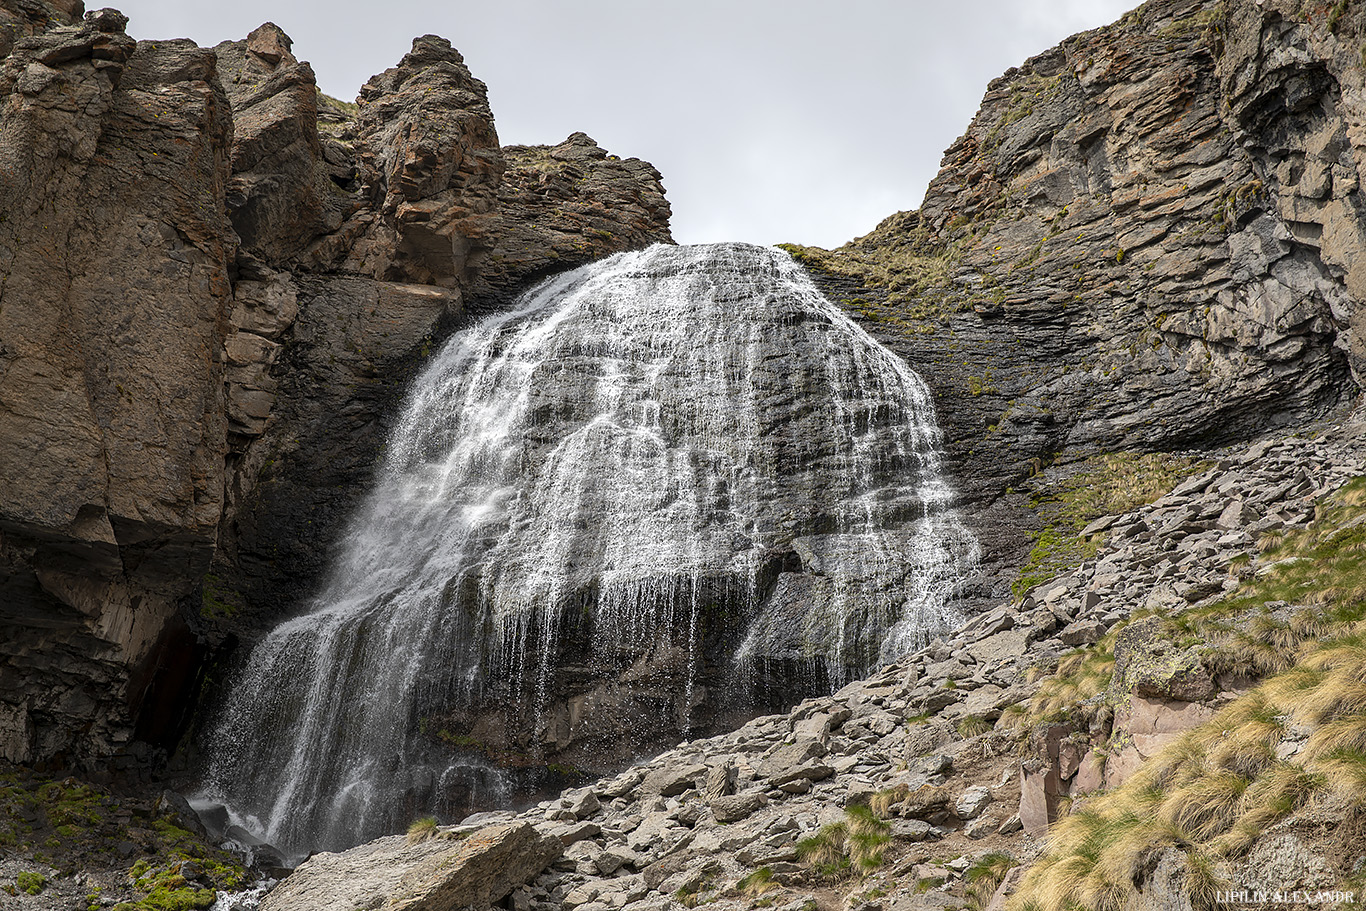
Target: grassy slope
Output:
{"points": [[1214, 792]]}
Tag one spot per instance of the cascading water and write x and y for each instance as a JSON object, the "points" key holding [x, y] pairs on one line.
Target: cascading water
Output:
{"points": [[684, 451]]}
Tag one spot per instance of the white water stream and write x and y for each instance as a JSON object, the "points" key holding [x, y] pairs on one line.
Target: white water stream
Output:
{"points": [[642, 446]]}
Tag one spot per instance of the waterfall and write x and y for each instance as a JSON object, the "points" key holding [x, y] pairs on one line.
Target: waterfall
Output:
{"points": [[683, 450]]}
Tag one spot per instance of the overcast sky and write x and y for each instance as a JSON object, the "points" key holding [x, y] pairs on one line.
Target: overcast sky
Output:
{"points": [[771, 120]]}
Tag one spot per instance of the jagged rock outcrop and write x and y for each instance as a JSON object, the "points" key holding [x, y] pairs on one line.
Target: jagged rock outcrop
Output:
{"points": [[22, 18], [115, 249], [280, 198], [565, 205], [1147, 238], [430, 165], [190, 371], [424, 152]]}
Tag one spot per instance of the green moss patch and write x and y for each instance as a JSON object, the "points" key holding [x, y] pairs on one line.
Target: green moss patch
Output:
{"points": [[1101, 485], [72, 825]]}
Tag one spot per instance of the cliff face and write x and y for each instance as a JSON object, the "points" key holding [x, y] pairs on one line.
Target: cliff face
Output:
{"points": [[207, 310], [115, 251], [1148, 238]]}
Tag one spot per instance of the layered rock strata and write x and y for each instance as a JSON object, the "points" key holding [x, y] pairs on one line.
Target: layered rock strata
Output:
{"points": [[115, 250], [1149, 237]]}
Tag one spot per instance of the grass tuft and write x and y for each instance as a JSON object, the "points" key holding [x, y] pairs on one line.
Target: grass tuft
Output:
{"points": [[756, 883], [422, 829]]}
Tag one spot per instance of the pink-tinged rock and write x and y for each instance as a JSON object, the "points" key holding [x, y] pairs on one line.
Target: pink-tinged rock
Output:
{"points": [[1149, 725], [1069, 759], [1006, 888], [1090, 774], [1120, 765], [1039, 789], [1145, 716]]}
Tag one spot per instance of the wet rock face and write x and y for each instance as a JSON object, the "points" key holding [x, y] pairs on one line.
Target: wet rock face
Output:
{"points": [[1147, 238], [572, 543], [326, 360], [115, 251]]}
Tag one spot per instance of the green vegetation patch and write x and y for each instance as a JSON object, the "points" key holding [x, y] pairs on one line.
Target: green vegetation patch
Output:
{"points": [[1105, 484], [1205, 19], [852, 847], [165, 890], [31, 883], [344, 108], [67, 823], [422, 829], [218, 601], [906, 271], [1076, 692], [534, 158], [985, 876], [756, 883], [1026, 93]]}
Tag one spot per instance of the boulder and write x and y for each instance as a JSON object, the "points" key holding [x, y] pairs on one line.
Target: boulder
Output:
{"points": [[670, 782], [925, 802], [737, 806], [720, 781], [1000, 647], [791, 761], [581, 803], [434, 875], [1148, 664], [1082, 632], [1090, 775], [972, 802], [1283, 862]]}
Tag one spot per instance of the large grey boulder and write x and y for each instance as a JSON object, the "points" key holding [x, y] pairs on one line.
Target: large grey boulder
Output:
{"points": [[434, 875]]}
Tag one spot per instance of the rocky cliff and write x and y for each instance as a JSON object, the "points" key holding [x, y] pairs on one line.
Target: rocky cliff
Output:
{"points": [[1148, 238], [211, 298], [1142, 254]]}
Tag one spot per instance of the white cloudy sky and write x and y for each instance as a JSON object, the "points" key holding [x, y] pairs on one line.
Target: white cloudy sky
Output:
{"points": [[771, 120]]}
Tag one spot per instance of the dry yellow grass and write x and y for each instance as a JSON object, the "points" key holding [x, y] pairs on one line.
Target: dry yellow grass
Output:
{"points": [[1215, 791]]}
